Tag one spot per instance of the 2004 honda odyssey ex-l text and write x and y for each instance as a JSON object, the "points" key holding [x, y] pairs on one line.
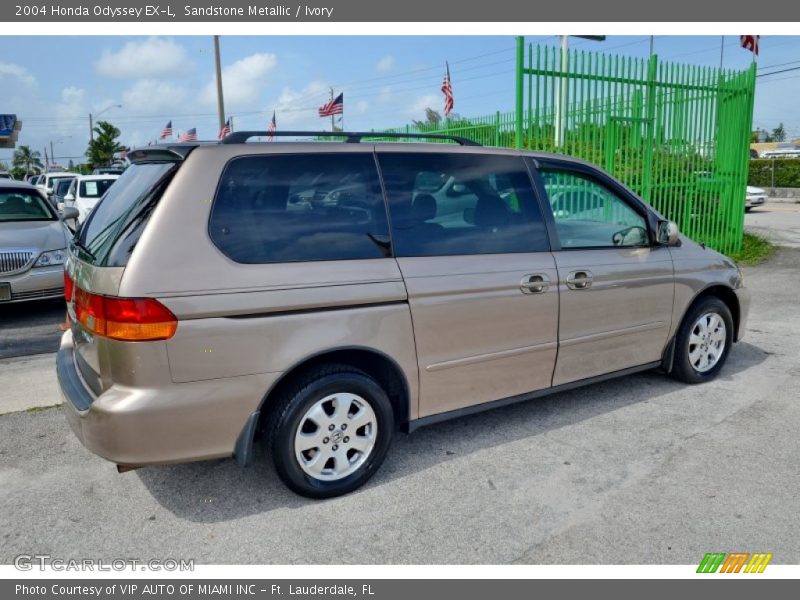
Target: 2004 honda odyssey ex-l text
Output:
{"points": [[321, 296]]}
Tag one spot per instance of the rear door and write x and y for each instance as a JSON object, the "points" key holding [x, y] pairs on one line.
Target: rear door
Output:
{"points": [[473, 250], [616, 288]]}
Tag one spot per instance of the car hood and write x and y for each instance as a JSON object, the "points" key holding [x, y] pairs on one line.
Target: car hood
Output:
{"points": [[755, 190], [42, 235]]}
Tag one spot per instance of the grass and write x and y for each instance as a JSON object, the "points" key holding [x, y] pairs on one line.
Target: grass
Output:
{"points": [[755, 250]]}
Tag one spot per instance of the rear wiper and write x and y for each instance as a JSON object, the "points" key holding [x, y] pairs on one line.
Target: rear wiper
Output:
{"points": [[78, 244]]}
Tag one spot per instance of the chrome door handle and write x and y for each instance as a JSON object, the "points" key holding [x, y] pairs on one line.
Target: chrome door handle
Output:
{"points": [[579, 280], [536, 283]]}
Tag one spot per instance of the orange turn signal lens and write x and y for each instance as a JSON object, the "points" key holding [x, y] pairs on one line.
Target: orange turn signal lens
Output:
{"points": [[125, 319]]}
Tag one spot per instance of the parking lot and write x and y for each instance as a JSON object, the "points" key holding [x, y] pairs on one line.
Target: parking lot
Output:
{"points": [[637, 470]]}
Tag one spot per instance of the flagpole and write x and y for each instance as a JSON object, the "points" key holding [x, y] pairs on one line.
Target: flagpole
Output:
{"points": [[333, 127]]}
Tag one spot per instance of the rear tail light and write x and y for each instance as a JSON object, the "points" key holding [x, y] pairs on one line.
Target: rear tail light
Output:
{"points": [[126, 319], [68, 286]]}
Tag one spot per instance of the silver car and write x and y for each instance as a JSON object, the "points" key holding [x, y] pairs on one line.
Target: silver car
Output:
{"points": [[33, 241]]}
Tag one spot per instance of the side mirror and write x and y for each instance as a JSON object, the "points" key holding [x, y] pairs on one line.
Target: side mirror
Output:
{"points": [[668, 233], [69, 198], [69, 213]]}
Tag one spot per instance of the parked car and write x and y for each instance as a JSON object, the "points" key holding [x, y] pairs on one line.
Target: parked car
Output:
{"points": [[86, 190], [108, 171], [33, 243], [33, 179], [755, 196], [322, 296], [47, 181], [60, 191], [6, 175]]}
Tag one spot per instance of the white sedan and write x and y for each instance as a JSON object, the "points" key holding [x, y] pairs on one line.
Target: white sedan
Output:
{"points": [[755, 196], [86, 191]]}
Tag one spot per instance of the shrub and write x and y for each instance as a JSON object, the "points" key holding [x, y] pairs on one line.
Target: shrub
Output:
{"points": [[787, 172]]}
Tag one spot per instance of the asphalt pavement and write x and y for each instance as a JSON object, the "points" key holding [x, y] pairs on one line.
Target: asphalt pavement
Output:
{"points": [[640, 470]]}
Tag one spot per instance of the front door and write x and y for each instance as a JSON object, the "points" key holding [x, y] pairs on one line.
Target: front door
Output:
{"points": [[616, 288], [482, 285]]}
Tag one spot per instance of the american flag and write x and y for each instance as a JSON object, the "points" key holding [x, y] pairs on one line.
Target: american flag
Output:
{"points": [[447, 90], [190, 135], [334, 107], [226, 129], [271, 128], [750, 42], [166, 132]]}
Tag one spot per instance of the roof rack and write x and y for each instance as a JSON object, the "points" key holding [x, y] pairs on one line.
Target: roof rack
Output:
{"points": [[352, 137]]}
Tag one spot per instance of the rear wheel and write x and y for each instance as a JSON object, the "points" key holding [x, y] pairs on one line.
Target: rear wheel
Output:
{"points": [[329, 433], [703, 341]]}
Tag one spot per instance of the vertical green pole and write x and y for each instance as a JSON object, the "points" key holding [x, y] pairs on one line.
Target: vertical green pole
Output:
{"points": [[647, 175], [497, 128], [519, 90]]}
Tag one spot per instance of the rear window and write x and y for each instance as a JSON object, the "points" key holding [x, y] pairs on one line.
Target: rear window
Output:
{"points": [[23, 205], [292, 208], [112, 229], [95, 188]]}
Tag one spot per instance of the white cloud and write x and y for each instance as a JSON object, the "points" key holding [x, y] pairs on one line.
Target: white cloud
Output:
{"points": [[72, 107], [300, 106], [362, 106], [417, 108], [149, 96], [17, 72], [385, 64], [154, 57], [243, 81]]}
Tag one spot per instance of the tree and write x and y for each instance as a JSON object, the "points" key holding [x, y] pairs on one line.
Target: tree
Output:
{"points": [[4, 166], [25, 158], [102, 149], [432, 118], [779, 133]]}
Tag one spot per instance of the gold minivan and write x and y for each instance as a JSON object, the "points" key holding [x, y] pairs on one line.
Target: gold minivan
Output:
{"points": [[319, 297]]}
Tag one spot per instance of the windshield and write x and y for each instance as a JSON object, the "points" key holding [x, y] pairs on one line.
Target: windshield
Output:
{"points": [[23, 205], [53, 181], [114, 226]]}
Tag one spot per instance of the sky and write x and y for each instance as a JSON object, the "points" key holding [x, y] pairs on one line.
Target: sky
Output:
{"points": [[53, 83]]}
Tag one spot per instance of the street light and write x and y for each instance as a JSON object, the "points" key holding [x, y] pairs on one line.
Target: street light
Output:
{"points": [[91, 124], [52, 152]]}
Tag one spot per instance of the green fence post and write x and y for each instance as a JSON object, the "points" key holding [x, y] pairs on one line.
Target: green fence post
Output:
{"points": [[497, 128], [647, 175], [519, 92]]}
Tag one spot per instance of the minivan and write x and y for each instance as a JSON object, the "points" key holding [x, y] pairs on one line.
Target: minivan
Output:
{"points": [[313, 298]]}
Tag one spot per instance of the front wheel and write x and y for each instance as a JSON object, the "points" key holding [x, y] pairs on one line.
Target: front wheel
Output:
{"points": [[703, 341], [330, 432]]}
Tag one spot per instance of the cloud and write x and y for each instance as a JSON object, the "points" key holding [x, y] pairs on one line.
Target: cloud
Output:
{"points": [[417, 108], [362, 106], [149, 96], [72, 107], [17, 72], [385, 64], [243, 81], [154, 57], [300, 106]]}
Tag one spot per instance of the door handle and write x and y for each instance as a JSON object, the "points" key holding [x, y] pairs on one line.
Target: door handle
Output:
{"points": [[579, 280], [536, 283]]}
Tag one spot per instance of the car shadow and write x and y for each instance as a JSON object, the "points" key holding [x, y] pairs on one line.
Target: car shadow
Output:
{"points": [[220, 490]]}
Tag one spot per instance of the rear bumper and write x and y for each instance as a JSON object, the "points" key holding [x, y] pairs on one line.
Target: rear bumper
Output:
{"points": [[36, 284], [751, 201], [170, 424]]}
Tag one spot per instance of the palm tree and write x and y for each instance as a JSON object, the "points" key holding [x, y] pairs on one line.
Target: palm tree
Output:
{"points": [[25, 158], [102, 149]]}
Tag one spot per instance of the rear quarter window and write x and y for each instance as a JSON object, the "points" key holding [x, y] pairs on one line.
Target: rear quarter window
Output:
{"points": [[291, 208]]}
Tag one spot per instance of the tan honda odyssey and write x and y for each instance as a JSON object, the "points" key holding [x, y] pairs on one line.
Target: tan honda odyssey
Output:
{"points": [[318, 297]]}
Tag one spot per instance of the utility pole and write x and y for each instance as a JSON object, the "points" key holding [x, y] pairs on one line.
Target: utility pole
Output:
{"points": [[561, 106], [91, 129], [721, 50], [220, 101], [52, 154]]}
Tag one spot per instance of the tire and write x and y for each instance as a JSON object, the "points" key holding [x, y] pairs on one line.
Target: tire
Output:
{"points": [[748, 208], [692, 343], [313, 450]]}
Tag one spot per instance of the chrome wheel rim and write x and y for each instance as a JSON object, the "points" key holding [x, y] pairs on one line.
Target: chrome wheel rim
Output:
{"points": [[335, 436], [707, 342]]}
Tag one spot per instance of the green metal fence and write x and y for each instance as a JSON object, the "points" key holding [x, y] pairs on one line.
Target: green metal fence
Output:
{"points": [[678, 135]]}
